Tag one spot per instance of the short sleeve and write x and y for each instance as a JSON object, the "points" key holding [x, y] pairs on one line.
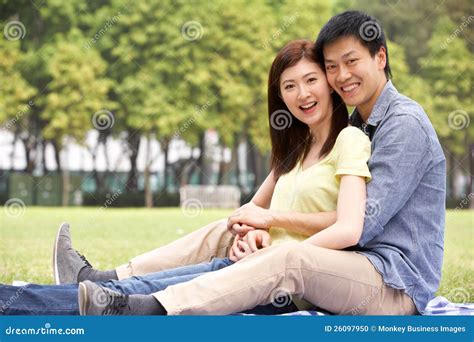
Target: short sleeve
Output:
{"points": [[352, 149]]}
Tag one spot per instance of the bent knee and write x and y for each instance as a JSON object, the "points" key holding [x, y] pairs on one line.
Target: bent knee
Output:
{"points": [[302, 253]]}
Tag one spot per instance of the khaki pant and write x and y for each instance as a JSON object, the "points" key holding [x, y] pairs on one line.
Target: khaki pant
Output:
{"points": [[199, 246], [340, 282]]}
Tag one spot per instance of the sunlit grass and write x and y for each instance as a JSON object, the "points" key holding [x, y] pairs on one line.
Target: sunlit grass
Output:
{"points": [[111, 237]]}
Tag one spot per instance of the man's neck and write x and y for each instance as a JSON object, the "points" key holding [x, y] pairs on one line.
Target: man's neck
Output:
{"points": [[365, 109]]}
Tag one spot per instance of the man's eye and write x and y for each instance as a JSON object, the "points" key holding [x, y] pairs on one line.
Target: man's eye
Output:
{"points": [[351, 61], [330, 67]]}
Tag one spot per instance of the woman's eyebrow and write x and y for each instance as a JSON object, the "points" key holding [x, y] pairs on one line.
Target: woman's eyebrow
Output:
{"points": [[306, 75]]}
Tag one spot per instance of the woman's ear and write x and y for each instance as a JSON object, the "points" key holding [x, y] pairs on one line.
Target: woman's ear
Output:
{"points": [[332, 90]]}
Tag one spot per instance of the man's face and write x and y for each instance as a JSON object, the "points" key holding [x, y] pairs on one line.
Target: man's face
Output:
{"points": [[357, 77]]}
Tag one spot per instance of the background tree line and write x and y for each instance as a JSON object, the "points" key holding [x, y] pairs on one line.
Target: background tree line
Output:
{"points": [[170, 70]]}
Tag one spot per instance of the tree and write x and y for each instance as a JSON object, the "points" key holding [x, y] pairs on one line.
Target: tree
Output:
{"points": [[448, 70], [77, 90], [16, 100]]}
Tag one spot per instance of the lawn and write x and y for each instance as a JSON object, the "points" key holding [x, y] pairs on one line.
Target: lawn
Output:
{"points": [[110, 237]]}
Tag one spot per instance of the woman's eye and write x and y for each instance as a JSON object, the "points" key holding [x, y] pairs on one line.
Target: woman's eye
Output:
{"points": [[289, 86], [312, 79]]}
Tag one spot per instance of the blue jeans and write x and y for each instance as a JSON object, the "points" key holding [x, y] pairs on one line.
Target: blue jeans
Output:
{"points": [[33, 299]]}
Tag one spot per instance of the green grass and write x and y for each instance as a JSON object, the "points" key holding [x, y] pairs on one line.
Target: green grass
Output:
{"points": [[111, 237]]}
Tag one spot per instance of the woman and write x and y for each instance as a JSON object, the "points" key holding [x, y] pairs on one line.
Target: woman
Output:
{"points": [[313, 155]]}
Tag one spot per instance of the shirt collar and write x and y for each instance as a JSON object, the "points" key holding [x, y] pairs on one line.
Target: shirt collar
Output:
{"points": [[380, 108]]}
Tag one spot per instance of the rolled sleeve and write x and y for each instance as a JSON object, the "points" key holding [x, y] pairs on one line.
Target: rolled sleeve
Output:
{"points": [[399, 159]]}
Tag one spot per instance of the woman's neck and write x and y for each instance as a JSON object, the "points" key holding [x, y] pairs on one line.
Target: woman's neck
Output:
{"points": [[320, 134]]}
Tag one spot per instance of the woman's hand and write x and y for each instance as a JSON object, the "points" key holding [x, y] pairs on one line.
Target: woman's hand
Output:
{"points": [[249, 215], [252, 242]]}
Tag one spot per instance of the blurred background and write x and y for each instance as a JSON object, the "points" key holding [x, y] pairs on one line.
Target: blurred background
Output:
{"points": [[122, 103]]}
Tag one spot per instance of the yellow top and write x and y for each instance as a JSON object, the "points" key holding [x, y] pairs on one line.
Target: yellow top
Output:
{"points": [[316, 188]]}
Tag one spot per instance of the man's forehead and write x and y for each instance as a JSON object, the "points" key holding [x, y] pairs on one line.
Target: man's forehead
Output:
{"points": [[342, 47]]}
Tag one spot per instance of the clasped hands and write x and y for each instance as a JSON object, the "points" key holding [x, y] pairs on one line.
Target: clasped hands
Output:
{"points": [[249, 224]]}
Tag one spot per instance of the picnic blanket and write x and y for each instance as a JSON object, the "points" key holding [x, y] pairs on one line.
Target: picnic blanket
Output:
{"points": [[438, 306]]}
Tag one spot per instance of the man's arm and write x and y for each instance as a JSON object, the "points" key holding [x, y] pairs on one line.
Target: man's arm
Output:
{"points": [[398, 163]]}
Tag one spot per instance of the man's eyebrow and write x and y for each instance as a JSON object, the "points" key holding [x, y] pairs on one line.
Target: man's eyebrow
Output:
{"points": [[306, 75], [344, 56]]}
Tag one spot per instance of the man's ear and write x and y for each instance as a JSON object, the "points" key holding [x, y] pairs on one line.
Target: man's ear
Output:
{"points": [[382, 57]]}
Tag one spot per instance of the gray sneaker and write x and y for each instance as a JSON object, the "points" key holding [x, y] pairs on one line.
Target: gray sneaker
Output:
{"points": [[95, 300], [67, 262]]}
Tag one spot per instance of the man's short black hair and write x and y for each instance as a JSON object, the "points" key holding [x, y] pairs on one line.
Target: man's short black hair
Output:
{"points": [[355, 24]]}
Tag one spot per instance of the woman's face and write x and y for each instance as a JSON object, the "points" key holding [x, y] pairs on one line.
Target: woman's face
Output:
{"points": [[306, 93]]}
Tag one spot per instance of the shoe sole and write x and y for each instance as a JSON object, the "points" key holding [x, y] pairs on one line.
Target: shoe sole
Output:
{"points": [[82, 299], [57, 281]]}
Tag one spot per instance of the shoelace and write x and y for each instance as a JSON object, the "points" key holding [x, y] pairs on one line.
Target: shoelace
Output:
{"points": [[117, 303], [83, 258]]}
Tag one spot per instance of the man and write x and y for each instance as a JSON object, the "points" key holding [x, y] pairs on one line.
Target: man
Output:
{"points": [[396, 265]]}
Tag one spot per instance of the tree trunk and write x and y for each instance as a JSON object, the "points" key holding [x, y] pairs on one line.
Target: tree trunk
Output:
{"points": [[65, 176], [251, 165], [148, 161], [164, 144], [451, 168], [103, 139], [201, 159], [43, 157], [235, 163], [12, 155], [222, 168], [30, 149], [471, 166], [56, 156], [66, 186], [133, 140]]}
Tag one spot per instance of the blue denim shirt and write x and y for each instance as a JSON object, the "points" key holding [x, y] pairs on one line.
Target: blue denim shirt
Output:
{"points": [[403, 233]]}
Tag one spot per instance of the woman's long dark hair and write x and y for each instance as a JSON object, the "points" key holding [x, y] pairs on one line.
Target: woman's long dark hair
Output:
{"points": [[291, 139]]}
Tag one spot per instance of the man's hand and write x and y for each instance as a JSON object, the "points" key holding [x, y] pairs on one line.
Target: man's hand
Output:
{"points": [[252, 242], [248, 215]]}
